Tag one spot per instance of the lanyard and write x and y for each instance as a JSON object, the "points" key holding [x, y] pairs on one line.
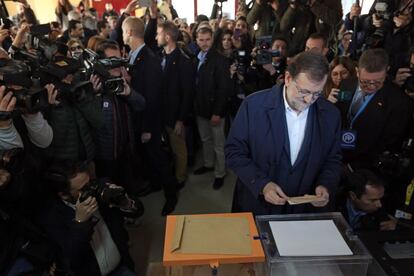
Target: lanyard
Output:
{"points": [[361, 109]]}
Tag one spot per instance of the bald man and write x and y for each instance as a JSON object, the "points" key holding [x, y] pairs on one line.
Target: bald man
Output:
{"points": [[146, 80]]}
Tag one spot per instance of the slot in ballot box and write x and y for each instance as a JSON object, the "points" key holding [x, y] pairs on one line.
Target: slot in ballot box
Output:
{"points": [[311, 244]]}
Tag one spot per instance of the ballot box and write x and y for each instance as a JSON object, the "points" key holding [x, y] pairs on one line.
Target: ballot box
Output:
{"points": [[311, 244]]}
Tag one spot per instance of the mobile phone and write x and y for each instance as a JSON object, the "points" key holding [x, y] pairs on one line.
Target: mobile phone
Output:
{"points": [[237, 33], [145, 3], [344, 96], [41, 29]]}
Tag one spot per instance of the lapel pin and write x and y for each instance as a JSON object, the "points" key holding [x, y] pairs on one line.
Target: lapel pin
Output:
{"points": [[380, 104]]}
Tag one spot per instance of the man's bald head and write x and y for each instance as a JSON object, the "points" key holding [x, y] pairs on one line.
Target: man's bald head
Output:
{"points": [[133, 26]]}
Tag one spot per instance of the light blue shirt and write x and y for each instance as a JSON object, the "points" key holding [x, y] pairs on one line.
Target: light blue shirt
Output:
{"points": [[133, 54], [354, 215]]}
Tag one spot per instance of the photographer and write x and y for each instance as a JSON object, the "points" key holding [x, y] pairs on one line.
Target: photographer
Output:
{"points": [[115, 141], [269, 64], [301, 17], [404, 77], [87, 226], [268, 14], [24, 12], [74, 113]]}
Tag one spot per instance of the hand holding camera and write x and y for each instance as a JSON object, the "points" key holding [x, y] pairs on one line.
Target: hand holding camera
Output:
{"points": [[333, 95], [355, 11], [7, 104], [85, 209], [402, 75]]}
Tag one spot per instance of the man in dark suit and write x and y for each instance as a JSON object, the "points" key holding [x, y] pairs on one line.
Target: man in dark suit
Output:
{"points": [[212, 95], [146, 79], [178, 90], [378, 115], [285, 142]]}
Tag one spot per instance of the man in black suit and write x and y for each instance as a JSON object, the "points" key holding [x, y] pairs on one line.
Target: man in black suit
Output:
{"points": [[376, 116], [178, 79], [212, 94], [146, 79]]}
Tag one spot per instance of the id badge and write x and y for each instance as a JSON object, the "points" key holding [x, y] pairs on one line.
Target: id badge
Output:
{"points": [[348, 139], [105, 104]]}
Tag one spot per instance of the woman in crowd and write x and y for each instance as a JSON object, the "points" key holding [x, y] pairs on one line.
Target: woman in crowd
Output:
{"points": [[62, 10], [340, 68]]}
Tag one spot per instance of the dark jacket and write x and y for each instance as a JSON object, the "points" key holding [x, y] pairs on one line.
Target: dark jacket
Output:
{"points": [[146, 80], [382, 125], [323, 17], [74, 238], [73, 127], [178, 88], [213, 86], [267, 18], [117, 134], [256, 143]]}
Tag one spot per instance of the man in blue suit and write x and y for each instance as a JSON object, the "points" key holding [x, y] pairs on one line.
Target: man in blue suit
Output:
{"points": [[285, 142]]}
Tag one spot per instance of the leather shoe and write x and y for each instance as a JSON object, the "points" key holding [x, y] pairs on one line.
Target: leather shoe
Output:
{"points": [[218, 183], [202, 170], [169, 206]]}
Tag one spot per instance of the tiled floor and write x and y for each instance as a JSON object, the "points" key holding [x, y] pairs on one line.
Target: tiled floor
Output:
{"points": [[197, 197]]}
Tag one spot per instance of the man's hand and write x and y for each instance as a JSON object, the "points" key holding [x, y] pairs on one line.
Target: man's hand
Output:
{"points": [[145, 137], [179, 128], [376, 22], [402, 75], [125, 75], [52, 94], [273, 194], [7, 104], [20, 38], [333, 96], [5, 178], [85, 209], [269, 68], [154, 10], [215, 120], [4, 34], [323, 193], [355, 11], [388, 225], [127, 89], [132, 6], [96, 83]]}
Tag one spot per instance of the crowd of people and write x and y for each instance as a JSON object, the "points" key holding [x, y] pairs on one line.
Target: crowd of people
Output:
{"points": [[296, 97]]}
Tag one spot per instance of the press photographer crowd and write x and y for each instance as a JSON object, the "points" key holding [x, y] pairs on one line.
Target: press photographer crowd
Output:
{"points": [[295, 97]]}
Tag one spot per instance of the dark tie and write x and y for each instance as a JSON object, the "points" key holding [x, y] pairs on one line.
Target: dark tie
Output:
{"points": [[358, 103]]}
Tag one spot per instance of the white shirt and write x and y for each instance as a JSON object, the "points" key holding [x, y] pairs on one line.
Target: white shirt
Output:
{"points": [[296, 124]]}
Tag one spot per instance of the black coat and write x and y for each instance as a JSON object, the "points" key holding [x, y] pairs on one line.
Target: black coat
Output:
{"points": [[383, 124], [213, 86], [146, 80], [74, 238], [178, 88]]}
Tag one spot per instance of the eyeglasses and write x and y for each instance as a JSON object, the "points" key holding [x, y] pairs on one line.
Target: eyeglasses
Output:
{"points": [[74, 48], [371, 82], [305, 93]]}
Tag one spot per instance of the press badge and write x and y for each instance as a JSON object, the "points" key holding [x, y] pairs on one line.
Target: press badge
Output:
{"points": [[105, 104], [348, 139]]}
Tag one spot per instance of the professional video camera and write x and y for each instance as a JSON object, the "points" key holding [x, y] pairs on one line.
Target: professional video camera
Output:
{"points": [[94, 64], [239, 57], [376, 39], [264, 51], [396, 164], [30, 96]]}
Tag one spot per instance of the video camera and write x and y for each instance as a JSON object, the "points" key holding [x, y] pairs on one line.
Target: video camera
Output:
{"points": [[376, 39], [94, 64], [264, 52]]}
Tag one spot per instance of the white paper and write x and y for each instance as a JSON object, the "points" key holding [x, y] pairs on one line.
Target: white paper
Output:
{"points": [[309, 238]]}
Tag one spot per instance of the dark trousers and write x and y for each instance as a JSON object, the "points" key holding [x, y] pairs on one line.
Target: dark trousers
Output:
{"points": [[158, 165]]}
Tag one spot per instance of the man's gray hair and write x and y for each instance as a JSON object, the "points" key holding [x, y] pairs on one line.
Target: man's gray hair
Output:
{"points": [[314, 65]]}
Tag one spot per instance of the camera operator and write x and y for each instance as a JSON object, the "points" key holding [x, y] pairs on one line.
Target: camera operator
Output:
{"points": [[404, 76], [86, 224], [74, 112], [302, 16], [267, 14], [271, 69], [115, 141], [75, 31]]}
